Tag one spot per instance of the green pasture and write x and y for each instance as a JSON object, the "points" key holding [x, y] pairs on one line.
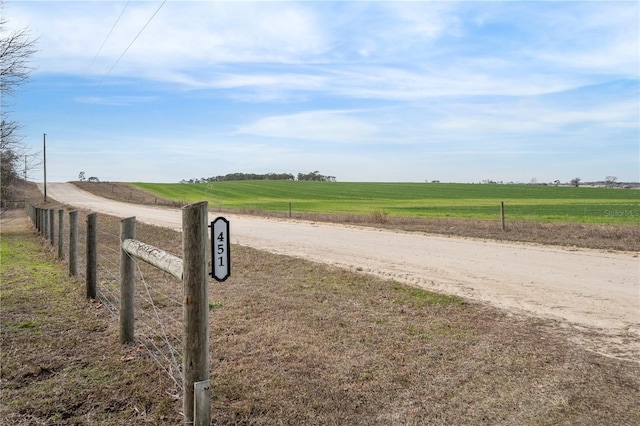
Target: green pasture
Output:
{"points": [[470, 201]]}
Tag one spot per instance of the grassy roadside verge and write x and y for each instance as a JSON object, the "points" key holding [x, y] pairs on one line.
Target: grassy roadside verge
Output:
{"points": [[61, 362]]}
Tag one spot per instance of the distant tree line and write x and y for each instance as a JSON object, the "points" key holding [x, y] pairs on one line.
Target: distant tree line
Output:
{"points": [[608, 182], [315, 176]]}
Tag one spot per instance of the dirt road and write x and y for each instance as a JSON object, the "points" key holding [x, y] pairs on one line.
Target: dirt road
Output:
{"points": [[596, 291]]}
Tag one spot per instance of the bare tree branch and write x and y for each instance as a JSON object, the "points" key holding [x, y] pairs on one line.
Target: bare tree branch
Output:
{"points": [[16, 49]]}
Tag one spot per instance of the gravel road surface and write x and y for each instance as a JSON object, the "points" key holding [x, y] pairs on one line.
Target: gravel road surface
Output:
{"points": [[596, 292]]}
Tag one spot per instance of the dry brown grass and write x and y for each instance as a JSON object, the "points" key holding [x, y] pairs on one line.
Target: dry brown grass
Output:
{"points": [[339, 348], [294, 342]]}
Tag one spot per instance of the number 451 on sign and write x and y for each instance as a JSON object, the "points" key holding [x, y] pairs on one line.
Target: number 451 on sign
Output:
{"points": [[220, 253]]}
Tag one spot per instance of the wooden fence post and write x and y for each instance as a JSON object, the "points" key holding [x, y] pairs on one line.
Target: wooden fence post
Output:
{"points": [[44, 220], [52, 216], [502, 214], [92, 255], [195, 310], [127, 282], [73, 243], [61, 234]]}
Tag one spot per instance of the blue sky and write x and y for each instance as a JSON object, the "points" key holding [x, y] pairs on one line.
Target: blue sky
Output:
{"points": [[361, 90]]}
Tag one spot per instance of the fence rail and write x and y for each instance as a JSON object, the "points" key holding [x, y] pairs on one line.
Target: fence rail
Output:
{"points": [[154, 256]]}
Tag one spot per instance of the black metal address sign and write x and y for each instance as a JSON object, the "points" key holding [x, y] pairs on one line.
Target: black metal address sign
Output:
{"points": [[220, 253]]}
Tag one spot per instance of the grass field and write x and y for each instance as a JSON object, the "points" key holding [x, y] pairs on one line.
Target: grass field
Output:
{"points": [[609, 206]]}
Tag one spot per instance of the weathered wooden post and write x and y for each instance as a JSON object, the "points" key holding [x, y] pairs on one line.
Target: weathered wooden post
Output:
{"points": [[45, 224], [502, 214], [61, 234], [92, 255], [51, 226], [73, 243], [44, 221], [127, 282], [195, 314]]}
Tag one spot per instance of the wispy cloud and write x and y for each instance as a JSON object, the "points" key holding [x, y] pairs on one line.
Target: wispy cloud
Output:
{"points": [[325, 126], [369, 49], [181, 37], [116, 100]]}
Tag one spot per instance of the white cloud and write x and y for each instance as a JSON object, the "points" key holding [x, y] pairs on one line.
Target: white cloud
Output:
{"points": [[377, 82], [586, 37], [181, 36], [381, 50], [115, 100], [324, 126], [536, 118]]}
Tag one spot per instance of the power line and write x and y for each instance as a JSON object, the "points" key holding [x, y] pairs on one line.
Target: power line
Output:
{"points": [[133, 41], [107, 37]]}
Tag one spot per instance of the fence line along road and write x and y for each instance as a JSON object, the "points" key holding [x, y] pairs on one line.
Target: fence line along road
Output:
{"points": [[590, 288], [192, 270]]}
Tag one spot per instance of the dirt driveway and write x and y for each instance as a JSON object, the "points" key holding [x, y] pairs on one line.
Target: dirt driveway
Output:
{"points": [[596, 292]]}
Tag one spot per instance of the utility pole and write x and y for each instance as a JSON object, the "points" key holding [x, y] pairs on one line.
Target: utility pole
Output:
{"points": [[44, 145]]}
